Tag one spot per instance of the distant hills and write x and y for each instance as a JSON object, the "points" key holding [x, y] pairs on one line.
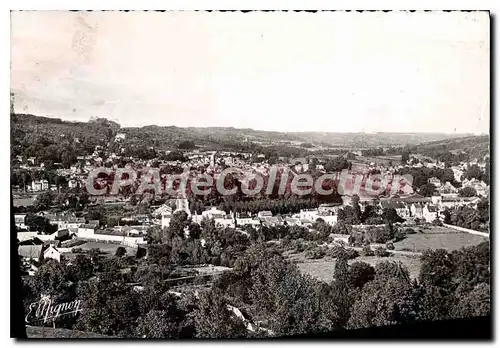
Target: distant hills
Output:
{"points": [[28, 129], [474, 146]]}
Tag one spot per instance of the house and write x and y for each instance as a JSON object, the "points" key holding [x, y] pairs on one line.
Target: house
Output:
{"points": [[342, 239], [329, 208], [329, 219], [309, 214], [28, 252], [435, 181], [72, 183], [453, 202], [447, 188], [291, 221], [25, 236], [242, 220], [20, 221], [61, 233], [120, 136], [214, 213], [86, 230], [417, 210], [52, 253], [271, 221], [264, 213], [39, 185], [182, 204], [166, 216], [430, 213], [163, 209], [457, 173]]}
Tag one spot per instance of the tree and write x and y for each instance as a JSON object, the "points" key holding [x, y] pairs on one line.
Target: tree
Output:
{"points": [[447, 216], [436, 268], [340, 288], [120, 251], [391, 216], [213, 319], [289, 301], [427, 190], [186, 145], [110, 305], [44, 200], [405, 157], [61, 181], [468, 191], [360, 273], [357, 208], [473, 172], [40, 224], [471, 266], [475, 303], [383, 302], [178, 223], [391, 269]]}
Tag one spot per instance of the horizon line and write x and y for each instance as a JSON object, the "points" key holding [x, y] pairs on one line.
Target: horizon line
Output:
{"points": [[94, 118]]}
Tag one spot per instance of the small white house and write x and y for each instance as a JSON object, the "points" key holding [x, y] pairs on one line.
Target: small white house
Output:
{"points": [[52, 253], [20, 220]]}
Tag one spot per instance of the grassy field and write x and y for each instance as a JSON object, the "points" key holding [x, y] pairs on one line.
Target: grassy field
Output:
{"points": [[108, 248], [430, 238], [23, 202], [323, 269], [438, 238]]}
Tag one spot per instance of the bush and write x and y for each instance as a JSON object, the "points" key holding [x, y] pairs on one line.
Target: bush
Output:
{"points": [[399, 235], [381, 252], [352, 254], [378, 235], [409, 231], [367, 251], [437, 222], [389, 246], [337, 251], [77, 250], [315, 253]]}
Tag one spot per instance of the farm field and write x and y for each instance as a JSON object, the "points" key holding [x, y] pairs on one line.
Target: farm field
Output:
{"points": [[438, 238]]}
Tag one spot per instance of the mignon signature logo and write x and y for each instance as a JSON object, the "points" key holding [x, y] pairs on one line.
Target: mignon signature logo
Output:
{"points": [[46, 309]]}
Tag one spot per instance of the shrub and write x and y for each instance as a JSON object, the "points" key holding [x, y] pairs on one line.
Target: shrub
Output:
{"points": [[389, 246], [337, 251], [399, 235], [381, 252], [367, 251], [352, 254]]}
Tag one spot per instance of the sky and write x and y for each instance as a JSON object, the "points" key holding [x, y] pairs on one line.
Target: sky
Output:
{"points": [[327, 71]]}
